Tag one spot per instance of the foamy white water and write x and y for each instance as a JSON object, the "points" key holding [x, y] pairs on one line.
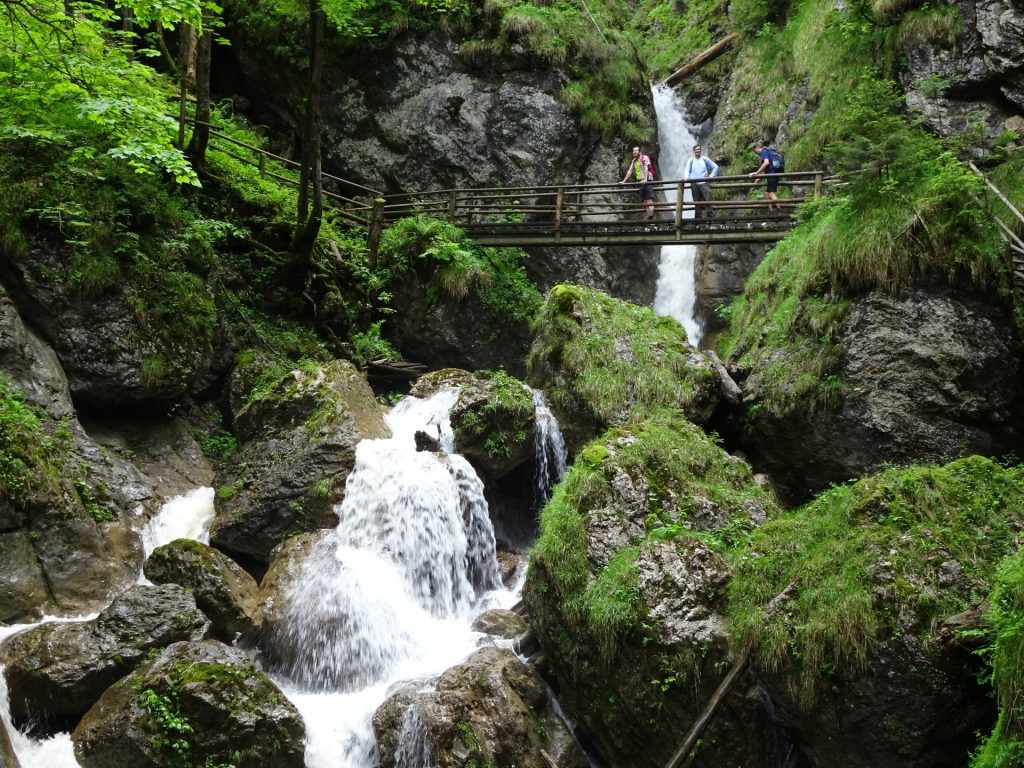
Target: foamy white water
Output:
{"points": [[391, 595], [187, 516], [549, 447], [676, 291]]}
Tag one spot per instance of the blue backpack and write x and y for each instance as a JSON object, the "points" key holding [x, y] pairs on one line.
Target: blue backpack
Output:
{"points": [[776, 160]]}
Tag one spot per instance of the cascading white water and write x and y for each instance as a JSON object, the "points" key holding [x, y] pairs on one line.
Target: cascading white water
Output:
{"points": [[676, 294], [390, 595], [187, 516], [549, 447]]}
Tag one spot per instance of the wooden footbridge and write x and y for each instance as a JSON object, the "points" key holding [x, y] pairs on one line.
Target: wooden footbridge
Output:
{"points": [[563, 215]]}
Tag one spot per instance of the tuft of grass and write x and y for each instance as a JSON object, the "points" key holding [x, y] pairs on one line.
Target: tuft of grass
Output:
{"points": [[861, 564]]}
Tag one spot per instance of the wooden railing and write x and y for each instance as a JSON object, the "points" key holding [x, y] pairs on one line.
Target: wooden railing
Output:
{"points": [[1012, 229], [355, 208], [567, 214]]}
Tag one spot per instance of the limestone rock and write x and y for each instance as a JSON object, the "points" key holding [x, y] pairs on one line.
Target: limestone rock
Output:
{"points": [[299, 446], [56, 671], [222, 589], [492, 709], [233, 712]]}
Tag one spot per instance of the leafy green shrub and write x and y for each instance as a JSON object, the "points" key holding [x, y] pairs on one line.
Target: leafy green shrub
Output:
{"points": [[32, 447]]}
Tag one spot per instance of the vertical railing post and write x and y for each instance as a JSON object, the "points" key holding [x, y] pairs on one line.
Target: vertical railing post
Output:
{"points": [[374, 233], [452, 202], [680, 192], [818, 182], [263, 164], [559, 200]]}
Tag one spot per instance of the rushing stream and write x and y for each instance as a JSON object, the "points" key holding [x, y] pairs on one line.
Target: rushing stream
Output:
{"points": [[676, 292], [387, 597]]}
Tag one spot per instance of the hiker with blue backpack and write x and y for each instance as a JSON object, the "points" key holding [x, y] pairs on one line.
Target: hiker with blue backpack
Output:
{"points": [[772, 164], [698, 167], [642, 171]]}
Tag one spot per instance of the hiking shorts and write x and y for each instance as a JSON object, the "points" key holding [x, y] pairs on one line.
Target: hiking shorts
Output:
{"points": [[646, 192], [772, 182]]}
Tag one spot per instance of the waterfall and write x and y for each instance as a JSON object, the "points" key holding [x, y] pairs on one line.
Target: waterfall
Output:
{"points": [[187, 516], [549, 447], [676, 293], [390, 595], [414, 749]]}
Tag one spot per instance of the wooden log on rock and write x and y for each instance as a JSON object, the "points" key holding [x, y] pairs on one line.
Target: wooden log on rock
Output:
{"points": [[701, 59]]}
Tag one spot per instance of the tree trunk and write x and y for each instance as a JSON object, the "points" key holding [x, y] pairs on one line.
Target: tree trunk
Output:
{"points": [[310, 180], [187, 50], [701, 59], [204, 61]]}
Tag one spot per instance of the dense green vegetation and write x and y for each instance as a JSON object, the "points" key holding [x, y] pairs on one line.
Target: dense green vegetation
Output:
{"points": [[683, 472], [862, 563], [1005, 747], [612, 357]]}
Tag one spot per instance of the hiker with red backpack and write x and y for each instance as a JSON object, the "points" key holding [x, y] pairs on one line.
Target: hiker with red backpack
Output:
{"points": [[772, 164], [642, 171]]}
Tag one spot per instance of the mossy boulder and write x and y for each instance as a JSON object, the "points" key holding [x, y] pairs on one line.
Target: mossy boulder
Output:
{"points": [[56, 671], [493, 419], [299, 430], [201, 703], [225, 592], [850, 652], [626, 589], [598, 359], [490, 710]]}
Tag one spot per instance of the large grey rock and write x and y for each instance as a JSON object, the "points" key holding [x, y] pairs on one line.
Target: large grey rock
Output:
{"points": [[653, 646], [233, 713], [929, 376], [31, 364], [56, 671], [96, 339], [493, 418], [299, 446], [977, 81], [490, 710], [226, 593]]}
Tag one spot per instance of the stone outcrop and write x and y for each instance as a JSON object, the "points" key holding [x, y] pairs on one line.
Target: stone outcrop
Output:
{"points": [[55, 672], [228, 595], [233, 713], [975, 80], [490, 710], [493, 419], [96, 339], [71, 539], [627, 607], [926, 377], [599, 358], [298, 444]]}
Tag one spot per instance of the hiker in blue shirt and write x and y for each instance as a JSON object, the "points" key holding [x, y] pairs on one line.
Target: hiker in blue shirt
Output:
{"points": [[698, 167], [771, 171], [640, 170]]}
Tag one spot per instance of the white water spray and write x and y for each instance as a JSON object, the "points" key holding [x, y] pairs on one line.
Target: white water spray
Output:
{"points": [[187, 516], [549, 447], [676, 293], [390, 595]]}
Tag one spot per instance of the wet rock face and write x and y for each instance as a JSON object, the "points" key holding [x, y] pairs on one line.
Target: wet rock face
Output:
{"points": [[234, 713], [490, 710], [980, 78], [223, 591], [929, 376], [55, 672], [300, 442]]}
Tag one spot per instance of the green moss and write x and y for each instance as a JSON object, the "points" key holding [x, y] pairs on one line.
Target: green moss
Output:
{"points": [[612, 357], [503, 422], [862, 563], [1005, 621]]}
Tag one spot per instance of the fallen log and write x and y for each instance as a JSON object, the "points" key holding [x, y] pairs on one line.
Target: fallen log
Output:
{"points": [[701, 59]]}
